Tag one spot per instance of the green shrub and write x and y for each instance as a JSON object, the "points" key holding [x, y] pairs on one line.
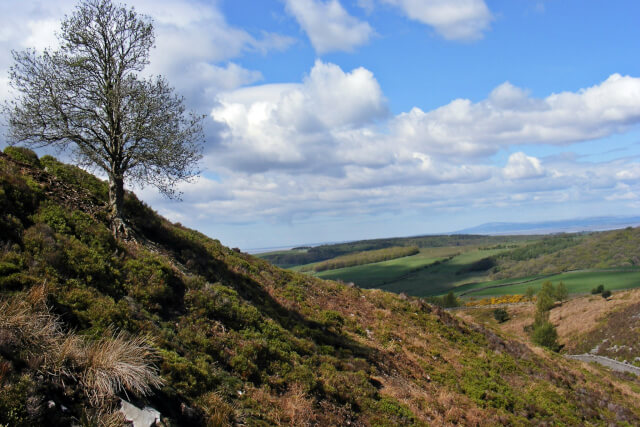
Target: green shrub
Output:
{"points": [[54, 216], [606, 294], [450, 300], [19, 198], [545, 334], [13, 402], [597, 290], [23, 155], [151, 281], [332, 320], [391, 412], [501, 315]]}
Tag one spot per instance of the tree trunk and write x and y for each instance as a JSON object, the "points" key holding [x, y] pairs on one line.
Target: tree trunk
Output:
{"points": [[116, 203]]}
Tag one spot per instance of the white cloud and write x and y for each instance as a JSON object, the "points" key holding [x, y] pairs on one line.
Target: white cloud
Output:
{"points": [[193, 39], [327, 147], [630, 173], [509, 116], [195, 45], [452, 19], [299, 125], [41, 34], [521, 166], [367, 5], [328, 25]]}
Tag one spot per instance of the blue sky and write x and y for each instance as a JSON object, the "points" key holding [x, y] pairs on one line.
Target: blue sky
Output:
{"points": [[333, 120]]}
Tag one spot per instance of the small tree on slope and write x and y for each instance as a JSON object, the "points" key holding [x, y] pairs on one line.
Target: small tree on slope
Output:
{"points": [[87, 95]]}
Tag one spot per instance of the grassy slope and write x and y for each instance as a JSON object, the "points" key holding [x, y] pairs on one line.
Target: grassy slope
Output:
{"points": [[242, 341]]}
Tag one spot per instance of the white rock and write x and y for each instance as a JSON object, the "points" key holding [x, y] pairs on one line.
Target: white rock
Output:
{"points": [[145, 417]]}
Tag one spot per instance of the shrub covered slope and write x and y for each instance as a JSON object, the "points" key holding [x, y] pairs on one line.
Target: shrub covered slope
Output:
{"points": [[237, 340]]}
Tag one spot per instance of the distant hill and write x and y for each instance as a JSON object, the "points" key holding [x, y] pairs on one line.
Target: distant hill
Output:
{"points": [[548, 227], [307, 255], [602, 250], [211, 336]]}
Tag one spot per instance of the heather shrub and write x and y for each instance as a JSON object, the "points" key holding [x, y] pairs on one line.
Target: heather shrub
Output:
{"points": [[501, 315]]}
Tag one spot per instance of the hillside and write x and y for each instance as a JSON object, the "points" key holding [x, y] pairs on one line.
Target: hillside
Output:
{"points": [[484, 266], [236, 340], [308, 255], [585, 324], [610, 249]]}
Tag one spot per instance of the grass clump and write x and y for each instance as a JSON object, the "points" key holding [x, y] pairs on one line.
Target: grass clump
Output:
{"points": [[33, 337], [118, 363]]}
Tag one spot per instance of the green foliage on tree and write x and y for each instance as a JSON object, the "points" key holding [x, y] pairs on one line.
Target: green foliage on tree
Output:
{"points": [[546, 297], [561, 292], [447, 301], [544, 333]]}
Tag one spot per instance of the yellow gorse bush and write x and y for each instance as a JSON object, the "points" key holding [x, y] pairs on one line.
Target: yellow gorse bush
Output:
{"points": [[505, 299]]}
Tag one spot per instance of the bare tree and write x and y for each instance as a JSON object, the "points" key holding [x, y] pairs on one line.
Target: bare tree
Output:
{"points": [[88, 96]]}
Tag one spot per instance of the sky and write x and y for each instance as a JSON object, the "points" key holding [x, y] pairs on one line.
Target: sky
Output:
{"points": [[337, 120]]}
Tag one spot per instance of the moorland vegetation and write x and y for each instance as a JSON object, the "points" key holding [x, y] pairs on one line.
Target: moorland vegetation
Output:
{"points": [[233, 339]]}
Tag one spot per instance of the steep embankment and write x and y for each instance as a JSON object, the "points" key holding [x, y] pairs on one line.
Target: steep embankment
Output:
{"points": [[238, 340]]}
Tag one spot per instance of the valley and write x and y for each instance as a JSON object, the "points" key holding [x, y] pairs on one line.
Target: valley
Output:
{"points": [[495, 265]]}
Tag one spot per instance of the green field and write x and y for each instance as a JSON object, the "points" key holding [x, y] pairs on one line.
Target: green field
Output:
{"points": [[431, 272], [576, 282], [470, 265]]}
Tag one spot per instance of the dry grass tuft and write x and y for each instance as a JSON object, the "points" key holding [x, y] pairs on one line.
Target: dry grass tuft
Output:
{"points": [[103, 417], [102, 368], [298, 406], [116, 364], [219, 412], [37, 296], [25, 328]]}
